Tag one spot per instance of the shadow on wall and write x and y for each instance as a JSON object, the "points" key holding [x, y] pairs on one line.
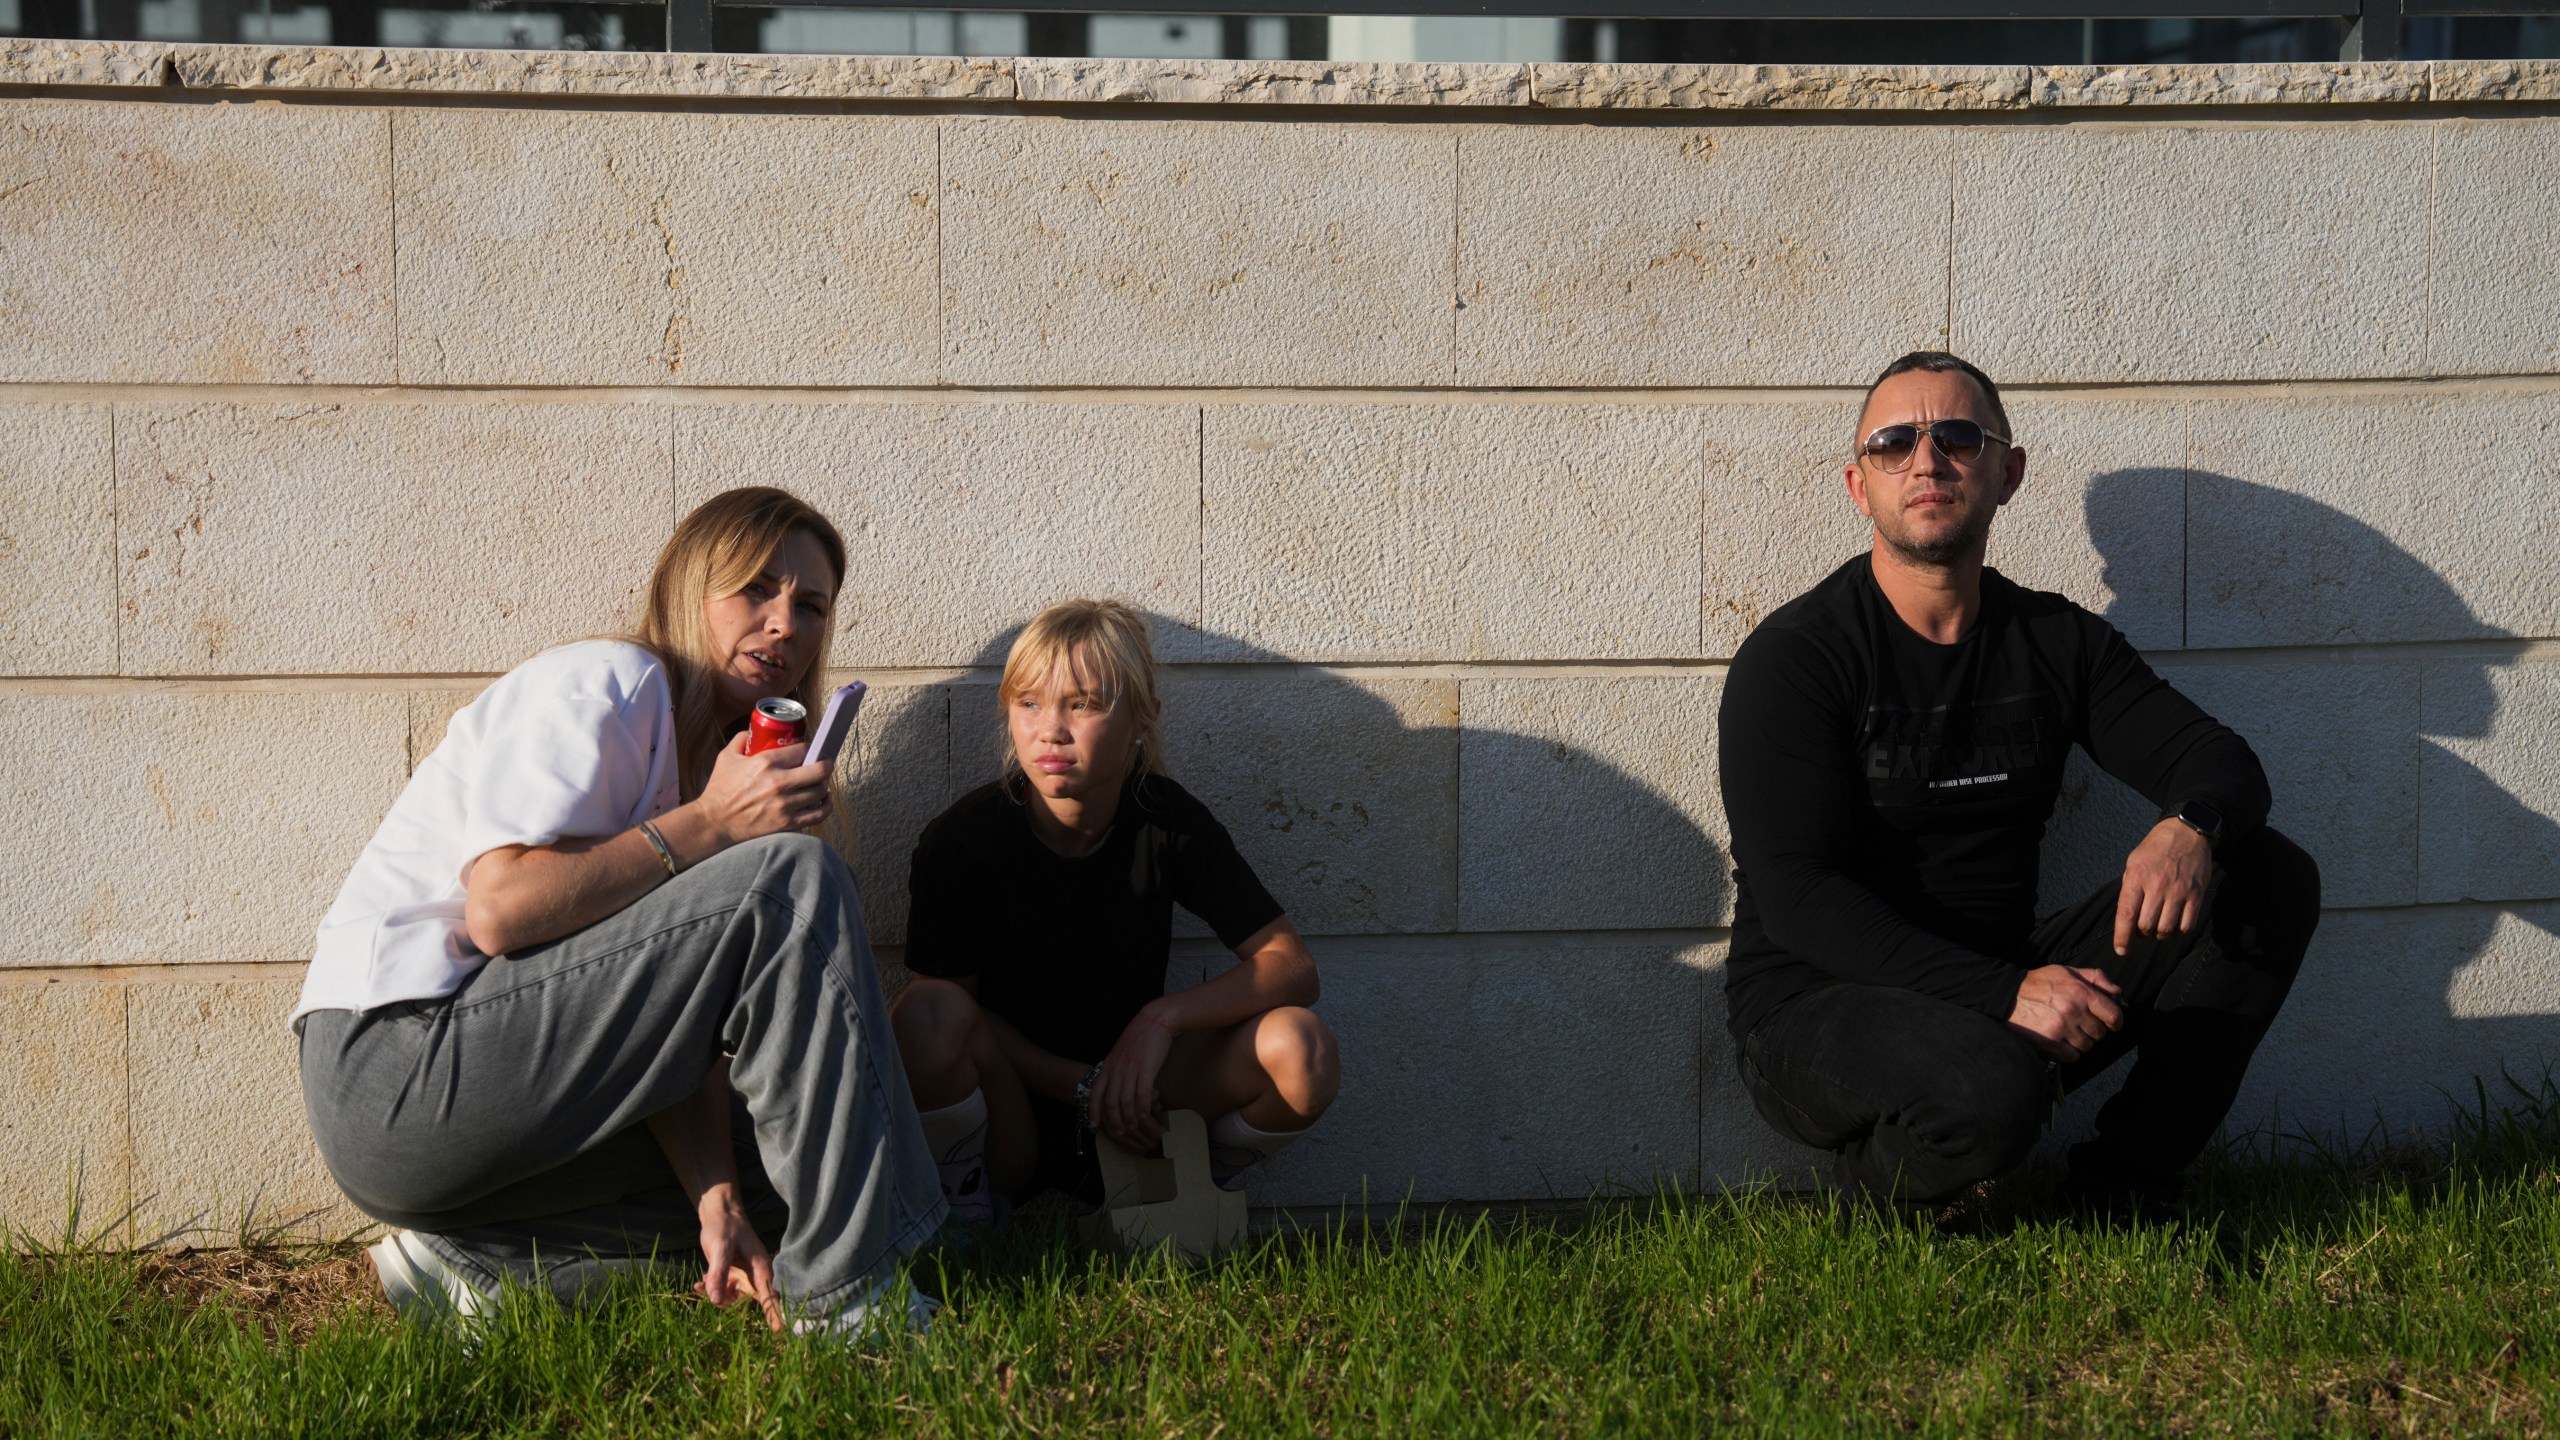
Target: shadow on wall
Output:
{"points": [[1513, 927], [2406, 998]]}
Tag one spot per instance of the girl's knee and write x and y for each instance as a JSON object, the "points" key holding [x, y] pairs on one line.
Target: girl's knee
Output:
{"points": [[933, 1021], [1296, 1049]]}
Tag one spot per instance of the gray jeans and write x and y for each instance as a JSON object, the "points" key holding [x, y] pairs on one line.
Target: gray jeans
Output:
{"points": [[505, 1121]]}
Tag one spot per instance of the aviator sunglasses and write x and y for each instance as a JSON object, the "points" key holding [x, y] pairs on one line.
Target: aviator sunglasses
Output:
{"points": [[1893, 446]]}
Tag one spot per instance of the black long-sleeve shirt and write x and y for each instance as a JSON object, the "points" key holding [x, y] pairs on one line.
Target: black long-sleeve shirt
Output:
{"points": [[1888, 795]]}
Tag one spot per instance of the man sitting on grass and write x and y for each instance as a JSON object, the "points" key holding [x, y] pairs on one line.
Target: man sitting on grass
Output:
{"points": [[1892, 743]]}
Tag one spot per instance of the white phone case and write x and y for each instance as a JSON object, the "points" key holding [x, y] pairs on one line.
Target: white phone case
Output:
{"points": [[836, 724]]}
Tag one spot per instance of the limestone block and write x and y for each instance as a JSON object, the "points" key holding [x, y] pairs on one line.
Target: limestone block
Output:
{"points": [[220, 1136], [1124, 253], [2494, 80], [1586, 86], [2339, 740], [1589, 802], [894, 777], [430, 711], [1453, 532], [57, 541], [215, 244], [1652, 256], [2097, 820], [2489, 780], [554, 248], [964, 520], [1081, 79], [399, 538], [62, 1109], [172, 826], [31, 61], [2088, 253], [1473, 1069], [1342, 794], [2330, 83], [2398, 1012], [2494, 288], [2098, 518], [608, 73], [2291, 541]]}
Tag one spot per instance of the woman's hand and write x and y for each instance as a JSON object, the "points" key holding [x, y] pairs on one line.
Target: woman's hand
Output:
{"points": [[1125, 1104], [736, 1264], [751, 796]]}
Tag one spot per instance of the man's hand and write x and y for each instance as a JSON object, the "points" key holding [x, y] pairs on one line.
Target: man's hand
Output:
{"points": [[2064, 1010], [1125, 1104], [2164, 884], [736, 1266]]}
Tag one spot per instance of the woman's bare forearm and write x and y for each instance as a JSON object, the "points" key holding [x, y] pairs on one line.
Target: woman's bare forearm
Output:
{"points": [[694, 1133], [520, 895]]}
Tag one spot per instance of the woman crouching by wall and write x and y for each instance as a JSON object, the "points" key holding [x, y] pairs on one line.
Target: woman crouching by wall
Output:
{"points": [[1041, 923], [663, 940]]}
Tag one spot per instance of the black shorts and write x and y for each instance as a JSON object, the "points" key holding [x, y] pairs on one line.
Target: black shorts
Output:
{"points": [[1066, 1162]]}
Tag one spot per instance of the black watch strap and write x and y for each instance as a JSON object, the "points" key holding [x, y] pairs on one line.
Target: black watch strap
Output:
{"points": [[2202, 818]]}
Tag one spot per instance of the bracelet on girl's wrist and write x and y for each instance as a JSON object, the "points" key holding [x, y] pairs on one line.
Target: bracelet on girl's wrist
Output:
{"points": [[1084, 1096]]}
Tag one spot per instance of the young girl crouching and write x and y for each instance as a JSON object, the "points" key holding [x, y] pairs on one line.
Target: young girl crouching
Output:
{"points": [[1041, 922]]}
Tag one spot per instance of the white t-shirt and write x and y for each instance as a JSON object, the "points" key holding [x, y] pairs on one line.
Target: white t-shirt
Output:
{"points": [[578, 741]]}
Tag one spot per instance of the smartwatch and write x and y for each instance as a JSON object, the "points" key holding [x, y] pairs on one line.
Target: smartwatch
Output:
{"points": [[2201, 818]]}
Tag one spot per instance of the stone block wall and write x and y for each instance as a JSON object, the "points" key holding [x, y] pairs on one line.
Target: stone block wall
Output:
{"points": [[1454, 422]]}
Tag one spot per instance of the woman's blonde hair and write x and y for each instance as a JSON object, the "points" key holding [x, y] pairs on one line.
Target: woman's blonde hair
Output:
{"points": [[717, 551], [1105, 646]]}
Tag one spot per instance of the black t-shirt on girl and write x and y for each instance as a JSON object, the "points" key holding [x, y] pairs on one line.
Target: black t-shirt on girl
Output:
{"points": [[1068, 950]]}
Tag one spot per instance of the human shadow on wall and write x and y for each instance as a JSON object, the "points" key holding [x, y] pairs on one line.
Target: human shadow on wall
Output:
{"points": [[2384, 1025], [1506, 922]]}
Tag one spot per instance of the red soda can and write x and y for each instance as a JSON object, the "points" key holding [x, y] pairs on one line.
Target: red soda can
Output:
{"points": [[777, 721]]}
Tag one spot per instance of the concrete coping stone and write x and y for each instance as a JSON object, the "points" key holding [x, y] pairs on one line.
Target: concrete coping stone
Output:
{"points": [[267, 69]]}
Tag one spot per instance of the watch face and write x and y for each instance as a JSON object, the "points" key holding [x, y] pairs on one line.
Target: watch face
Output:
{"points": [[2202, 816]]}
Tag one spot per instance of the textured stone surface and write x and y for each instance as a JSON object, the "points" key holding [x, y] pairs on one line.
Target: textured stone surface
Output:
{"points": [[2097, 820], [220, 832], [2493, 286], [57, 541], [2489, 781], [220, 1138], [1470, 1070], [2362, 83], [1121, 253], [2087, 253], [567, 72], [205, 243], [634, 249], [1066, 79], [1453, 532], [1589, 803], [894, 777], [1654, 256], [2291, 540], [964, 520], [82, 62], [2397, 1012], [2339, 740], [381, 538], [430, 711], [2098, 518], [1342, 794], [63, 1108], [1585, 86], [2494, 80]]}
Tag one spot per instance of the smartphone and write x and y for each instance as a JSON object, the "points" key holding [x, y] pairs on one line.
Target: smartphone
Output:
{"points": [[835, 724]]}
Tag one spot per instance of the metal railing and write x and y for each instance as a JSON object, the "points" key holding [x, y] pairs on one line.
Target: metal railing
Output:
{"points": [[2369, 29]]}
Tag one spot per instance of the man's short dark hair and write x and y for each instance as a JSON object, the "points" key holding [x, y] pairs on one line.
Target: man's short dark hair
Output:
{"points": [[1940, 362]]}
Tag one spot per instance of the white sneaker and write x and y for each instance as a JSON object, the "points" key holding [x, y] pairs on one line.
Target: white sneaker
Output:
{"points": [[874, 1321], [422, 1286]]}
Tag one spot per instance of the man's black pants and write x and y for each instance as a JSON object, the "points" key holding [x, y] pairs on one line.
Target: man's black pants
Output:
{"points": [[1920, 1098]]}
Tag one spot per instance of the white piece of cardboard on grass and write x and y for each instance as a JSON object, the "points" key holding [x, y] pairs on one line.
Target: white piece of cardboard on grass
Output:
{"points": [[1172, 1200]]}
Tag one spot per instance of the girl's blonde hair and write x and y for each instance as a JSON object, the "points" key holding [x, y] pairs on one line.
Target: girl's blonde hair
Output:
{"points": [[1105, 646], [717, 551]]}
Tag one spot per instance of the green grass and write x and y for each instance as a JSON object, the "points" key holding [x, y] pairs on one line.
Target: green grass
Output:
{"points": [[2314, 1294]]}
